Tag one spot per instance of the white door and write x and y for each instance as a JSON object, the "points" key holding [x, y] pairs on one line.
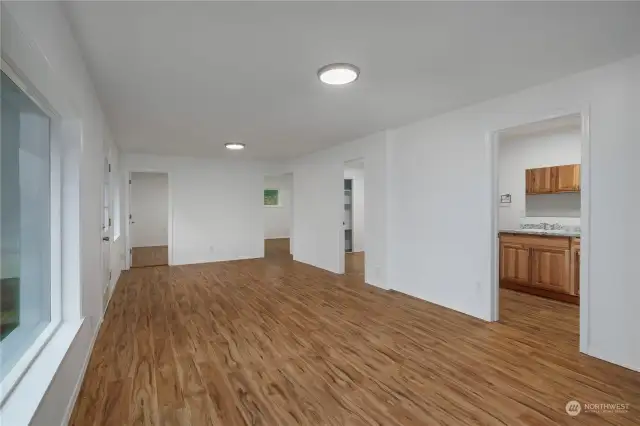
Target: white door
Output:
{"points": [[106, 232], [149, 208]]}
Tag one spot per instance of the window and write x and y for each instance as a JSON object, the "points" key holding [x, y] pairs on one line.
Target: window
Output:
{"points": [[25, 226], [271, 198]]}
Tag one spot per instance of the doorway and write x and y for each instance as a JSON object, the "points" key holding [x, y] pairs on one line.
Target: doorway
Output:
{"points": [[148, 219], [278, 216], [353, 222], [540, 171]]}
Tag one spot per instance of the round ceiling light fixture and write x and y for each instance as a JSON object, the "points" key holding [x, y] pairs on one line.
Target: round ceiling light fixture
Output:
{"points": [[338, 74], [234, 146]]}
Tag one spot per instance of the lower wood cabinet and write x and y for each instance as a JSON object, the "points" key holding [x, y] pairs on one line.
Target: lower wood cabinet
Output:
{"points": [[541, 265], [514, 263], [551, 269]]}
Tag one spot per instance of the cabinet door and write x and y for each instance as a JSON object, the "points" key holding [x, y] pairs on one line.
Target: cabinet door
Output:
{"points": [[529, 181], [541, 181], [568, 178], [551, 269], [514, 263]]}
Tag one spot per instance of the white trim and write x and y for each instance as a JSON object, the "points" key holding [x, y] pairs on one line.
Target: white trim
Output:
{"points": [[585, 229], [76, 389], [28, 88], [492, 142], [21, 368], [26, 396], [27, 359], [170, 236], [494, 165], [127, 208]]}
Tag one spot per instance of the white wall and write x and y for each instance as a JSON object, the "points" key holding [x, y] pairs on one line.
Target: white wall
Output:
{"points": [[149, 209], [357, 193], [213, 205], [541, 149], [118, 189], [277, 220], [440, 223], [37, 41], [318, 206]]}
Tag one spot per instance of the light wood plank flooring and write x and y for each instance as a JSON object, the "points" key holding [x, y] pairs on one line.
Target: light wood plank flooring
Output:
{"points": [[149, 256], [274, 342]]}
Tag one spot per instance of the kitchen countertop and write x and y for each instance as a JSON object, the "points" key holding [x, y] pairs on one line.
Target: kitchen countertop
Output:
{"points": [[545, 232]]}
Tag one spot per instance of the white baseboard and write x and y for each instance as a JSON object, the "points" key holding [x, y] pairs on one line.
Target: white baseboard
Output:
{"points": [[78, 386], [85, 364]]}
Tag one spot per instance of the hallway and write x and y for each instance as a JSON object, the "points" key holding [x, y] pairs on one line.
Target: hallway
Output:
{"points": [[275, 342]]}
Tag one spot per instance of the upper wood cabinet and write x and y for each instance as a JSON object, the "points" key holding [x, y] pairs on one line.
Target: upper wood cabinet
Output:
{"points": [[540, 181], [568, 178], [549, 180]]}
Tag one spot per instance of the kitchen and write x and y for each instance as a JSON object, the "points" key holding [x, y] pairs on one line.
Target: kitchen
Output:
{"points": [[540, 209]]}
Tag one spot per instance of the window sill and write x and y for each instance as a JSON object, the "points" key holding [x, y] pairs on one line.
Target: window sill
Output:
{"points": [[21, 405]]}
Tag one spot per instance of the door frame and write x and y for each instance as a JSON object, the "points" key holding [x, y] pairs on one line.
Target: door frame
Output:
{"points": [[127, 227], [107, 230], [493, 143]]}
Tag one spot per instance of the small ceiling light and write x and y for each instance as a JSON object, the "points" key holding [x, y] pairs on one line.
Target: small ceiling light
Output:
{"points": [[338, 74], [234, 146]]}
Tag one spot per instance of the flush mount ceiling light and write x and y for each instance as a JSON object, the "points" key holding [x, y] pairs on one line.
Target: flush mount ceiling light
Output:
{"points": [[234, 146], [338, 74]]}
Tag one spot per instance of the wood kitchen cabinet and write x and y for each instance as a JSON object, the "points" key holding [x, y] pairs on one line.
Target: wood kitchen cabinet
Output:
{"points": [[575, 268], [514, 263], [541, 265], [551, 269], [551, 180], [568, 178], [540, 181]]}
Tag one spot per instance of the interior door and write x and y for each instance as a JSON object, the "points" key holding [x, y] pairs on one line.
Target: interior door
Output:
{"points": [[106, 231]]}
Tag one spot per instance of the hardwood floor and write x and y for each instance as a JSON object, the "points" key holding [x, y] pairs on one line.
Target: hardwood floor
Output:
{"points": [[274, 342], [149, 256], [354, 264], [277, 249]]}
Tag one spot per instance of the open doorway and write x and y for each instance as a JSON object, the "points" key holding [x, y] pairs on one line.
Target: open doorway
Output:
{"points": [[278, 216], [148, 219], [354, 218], [540, 211]]}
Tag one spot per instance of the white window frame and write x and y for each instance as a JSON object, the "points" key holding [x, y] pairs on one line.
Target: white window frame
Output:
{"points": [[22, 366]]}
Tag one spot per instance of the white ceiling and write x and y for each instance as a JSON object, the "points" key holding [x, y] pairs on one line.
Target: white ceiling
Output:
{"points": [[183, 78]]}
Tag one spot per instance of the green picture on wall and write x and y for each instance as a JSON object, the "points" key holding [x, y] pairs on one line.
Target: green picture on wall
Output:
{"points": [[271, 197]]}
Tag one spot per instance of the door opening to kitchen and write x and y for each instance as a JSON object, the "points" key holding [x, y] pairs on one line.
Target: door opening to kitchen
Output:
{"points": [[539, 217], [353, 222], [149, 219]]}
